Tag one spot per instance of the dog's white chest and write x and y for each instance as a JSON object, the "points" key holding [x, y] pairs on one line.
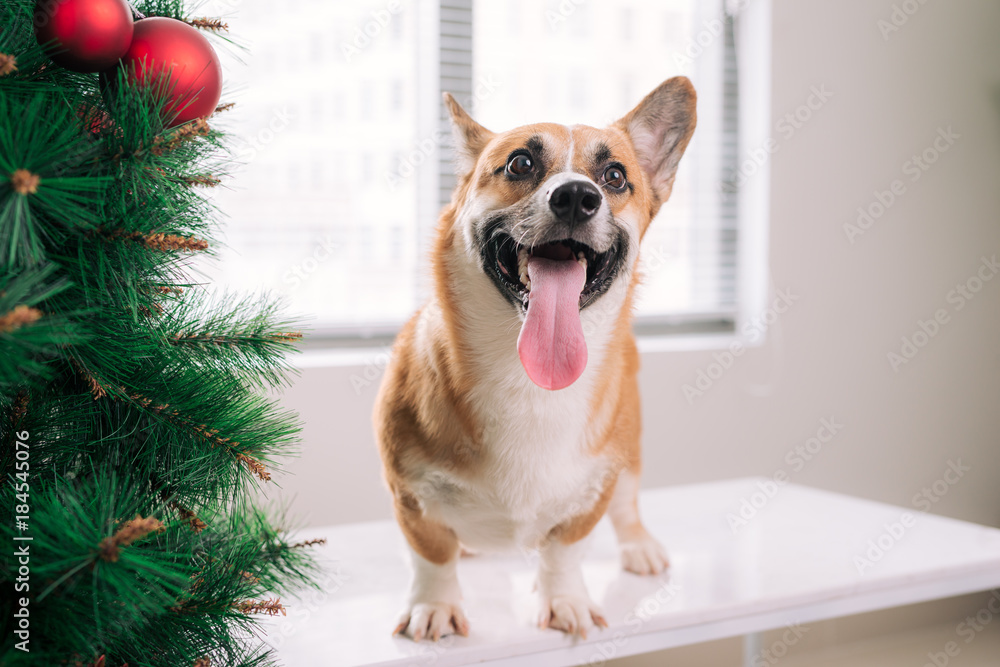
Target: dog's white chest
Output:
{"points": [[536, 472]]}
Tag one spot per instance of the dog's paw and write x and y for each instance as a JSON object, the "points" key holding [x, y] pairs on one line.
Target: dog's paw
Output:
{"points": [[573, 614], [644, 555], [432, 620]]}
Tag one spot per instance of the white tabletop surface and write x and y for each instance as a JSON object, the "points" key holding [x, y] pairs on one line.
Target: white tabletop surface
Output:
{"points": [[805, 555]]}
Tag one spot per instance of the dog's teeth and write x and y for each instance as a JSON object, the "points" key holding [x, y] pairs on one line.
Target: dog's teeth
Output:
{"points": [[522, 267], [580, 257], [523, 276]]}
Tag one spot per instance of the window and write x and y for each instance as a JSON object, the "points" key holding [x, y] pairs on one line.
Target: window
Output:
{"points": [[343, 174]]}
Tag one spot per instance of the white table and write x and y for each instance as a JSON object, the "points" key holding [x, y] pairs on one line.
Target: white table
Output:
{"points": [[795, 561]]}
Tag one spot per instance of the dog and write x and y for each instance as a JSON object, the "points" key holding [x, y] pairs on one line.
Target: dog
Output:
{"points": [[508, 416]]}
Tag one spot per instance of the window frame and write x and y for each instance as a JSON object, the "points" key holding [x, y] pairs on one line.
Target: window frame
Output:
{"points": [[683, 331]]}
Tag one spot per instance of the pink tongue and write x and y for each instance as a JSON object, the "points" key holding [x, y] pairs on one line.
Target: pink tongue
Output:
{"points": [[551, 344]]}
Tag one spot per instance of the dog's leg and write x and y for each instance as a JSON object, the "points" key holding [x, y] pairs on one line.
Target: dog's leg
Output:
{"points": [[564, 603], [435, 605], [640, 551]]}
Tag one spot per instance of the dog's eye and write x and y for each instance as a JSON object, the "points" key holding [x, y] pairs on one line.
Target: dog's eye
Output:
{"points": [[520, 165], [614, 178]]}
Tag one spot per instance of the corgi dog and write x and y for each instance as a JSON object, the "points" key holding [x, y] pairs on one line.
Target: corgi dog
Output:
{"points": [[508, 416]]}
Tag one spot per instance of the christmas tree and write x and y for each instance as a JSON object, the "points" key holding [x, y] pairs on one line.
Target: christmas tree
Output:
{"points": [[134, 427]]}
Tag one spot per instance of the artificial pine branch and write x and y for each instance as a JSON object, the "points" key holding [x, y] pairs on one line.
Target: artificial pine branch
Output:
{"points": [[186, 132], [96, 388], [110, 547], [234, 338], [215, 25], [150, 313], [308, 543], [8, 64], [220, 333], [196, 524], [36, 326], [21, 316], [24, 182], [161, 144], [161, 242], [169, 242], [208, 434], [206, 180], [255, 466], [18, 409], [269, 607], [225, 106], [287, 337]]}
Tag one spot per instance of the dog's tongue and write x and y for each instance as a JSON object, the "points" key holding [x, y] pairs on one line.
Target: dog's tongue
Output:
{"points": [[551, 344]]}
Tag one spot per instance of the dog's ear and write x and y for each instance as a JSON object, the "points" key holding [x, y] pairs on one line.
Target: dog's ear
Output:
{"points": [[470, 137], [660, 128]]}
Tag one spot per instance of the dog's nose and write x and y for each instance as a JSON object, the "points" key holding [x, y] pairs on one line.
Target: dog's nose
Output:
{"points": [[575, 202]]}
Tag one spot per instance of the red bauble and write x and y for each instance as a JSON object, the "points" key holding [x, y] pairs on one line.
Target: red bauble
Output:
{"points": [[179, 61], [84, 35]]}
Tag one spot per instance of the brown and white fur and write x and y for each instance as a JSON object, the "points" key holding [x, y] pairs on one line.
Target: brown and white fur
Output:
{"points": [[474, 453]]}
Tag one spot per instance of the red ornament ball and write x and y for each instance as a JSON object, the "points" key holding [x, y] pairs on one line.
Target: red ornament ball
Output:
{"points": [[84, 35], [179, 61]]}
